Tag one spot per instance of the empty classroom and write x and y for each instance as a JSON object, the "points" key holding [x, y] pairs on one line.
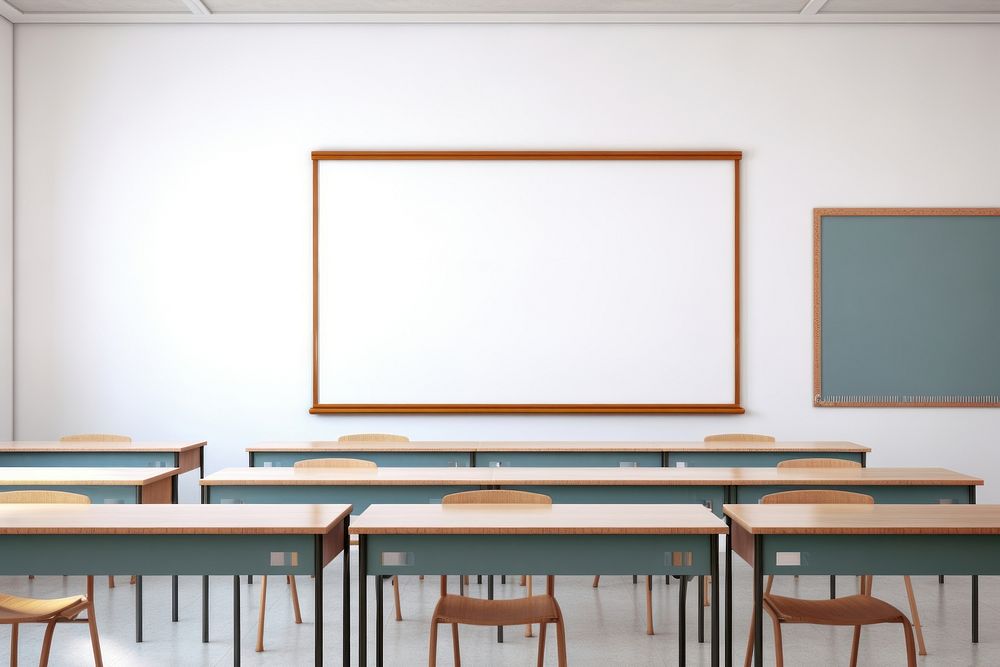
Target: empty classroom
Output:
{"points": [[506, 332]]}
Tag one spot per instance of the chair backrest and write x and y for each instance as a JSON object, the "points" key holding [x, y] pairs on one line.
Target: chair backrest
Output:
{"points": [[496, 496], [372, 437], [95, 437], [817, 497], [42, 496], [334, 463], [739, 437], [818, 463]]}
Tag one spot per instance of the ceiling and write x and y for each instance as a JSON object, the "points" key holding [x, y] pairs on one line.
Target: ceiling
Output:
{"points": [[501, 11]]}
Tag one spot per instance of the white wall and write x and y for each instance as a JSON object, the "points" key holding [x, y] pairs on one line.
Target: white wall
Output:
{"points": [[6, 229], [163, 201]]}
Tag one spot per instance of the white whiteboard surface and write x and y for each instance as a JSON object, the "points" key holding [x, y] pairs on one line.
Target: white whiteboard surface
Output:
{"points": [[526, 282]]}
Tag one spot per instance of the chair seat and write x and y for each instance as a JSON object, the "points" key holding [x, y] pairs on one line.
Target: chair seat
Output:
{"points": [[850, 610], [476, 611], [14, 609]]}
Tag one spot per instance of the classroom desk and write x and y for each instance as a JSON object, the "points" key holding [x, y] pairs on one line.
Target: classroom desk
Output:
{"points": [[187, 456], [105, 486], [181, 539], [705, 486], [864, 539], [102, 485], [556, 454], [680, 540]]}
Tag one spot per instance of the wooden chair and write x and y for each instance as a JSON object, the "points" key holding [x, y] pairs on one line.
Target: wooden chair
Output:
{"points": [[314, 463], [372, 437], [95, 437], [99, 437], [17, 610], [808, 497], [856, 610], [456, 609], [739, 437]]}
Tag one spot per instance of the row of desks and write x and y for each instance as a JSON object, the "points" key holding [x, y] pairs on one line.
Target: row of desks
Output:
{"points": [[676, 540]]}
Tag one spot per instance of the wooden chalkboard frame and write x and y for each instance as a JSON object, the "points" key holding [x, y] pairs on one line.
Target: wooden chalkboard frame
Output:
{"points": [[355, 408], [818, 215]]}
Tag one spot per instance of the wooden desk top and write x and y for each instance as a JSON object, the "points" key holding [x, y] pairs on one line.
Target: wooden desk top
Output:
{"points": [[29, 519], [348, 476], [590, 476], [56, 446], [84, 476], [556, 446], [537, 520], [866, 519]]}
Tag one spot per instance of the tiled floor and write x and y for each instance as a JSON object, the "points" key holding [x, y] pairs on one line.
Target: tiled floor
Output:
{"points": [[604, 626]]}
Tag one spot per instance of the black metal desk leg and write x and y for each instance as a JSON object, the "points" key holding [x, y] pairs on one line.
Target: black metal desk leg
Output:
{"points": [[682, 621], [758, 601], [833, 586], [701, 610], [318, 601], [714, 565], [347, 591], [729, 600], [236, 620], [379, 595], [975, 609], [173, 598], [138, 608], [204, 609], [362, 600]]}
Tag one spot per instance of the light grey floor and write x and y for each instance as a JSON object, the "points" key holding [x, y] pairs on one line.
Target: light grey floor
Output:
{"points": [[604, 626]]}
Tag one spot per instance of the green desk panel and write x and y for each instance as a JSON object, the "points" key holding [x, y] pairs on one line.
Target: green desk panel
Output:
{"points": [[359, 496], [895, 494], [55, 459], [885, 554], [569, 459], [386, 459], [154, 554], [539, 554], [751, 459]]}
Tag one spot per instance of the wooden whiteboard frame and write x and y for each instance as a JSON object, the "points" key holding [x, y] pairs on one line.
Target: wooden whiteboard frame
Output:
{"points": [[818, 215], [522, 408]]}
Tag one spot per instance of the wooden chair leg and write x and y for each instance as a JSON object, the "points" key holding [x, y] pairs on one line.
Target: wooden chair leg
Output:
{"points": [[50, 628], [918, 629], [855, 644], [561, 641], [528, 628], [779, 649], [395, 596], [454, 645], [708, 591], [749, 653], [433, 650], [95, 640], [523, 577], [111, 581], [597, 580], [911, 658], [649, 604], [295, 600], [260, 614], [13, 645], [542, 627]]}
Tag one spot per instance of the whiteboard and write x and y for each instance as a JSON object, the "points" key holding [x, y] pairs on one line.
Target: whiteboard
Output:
{"points": [[510, 282]]}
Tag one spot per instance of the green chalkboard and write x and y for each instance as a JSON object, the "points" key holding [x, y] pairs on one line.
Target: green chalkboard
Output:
{"points": [[907, 307]]}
